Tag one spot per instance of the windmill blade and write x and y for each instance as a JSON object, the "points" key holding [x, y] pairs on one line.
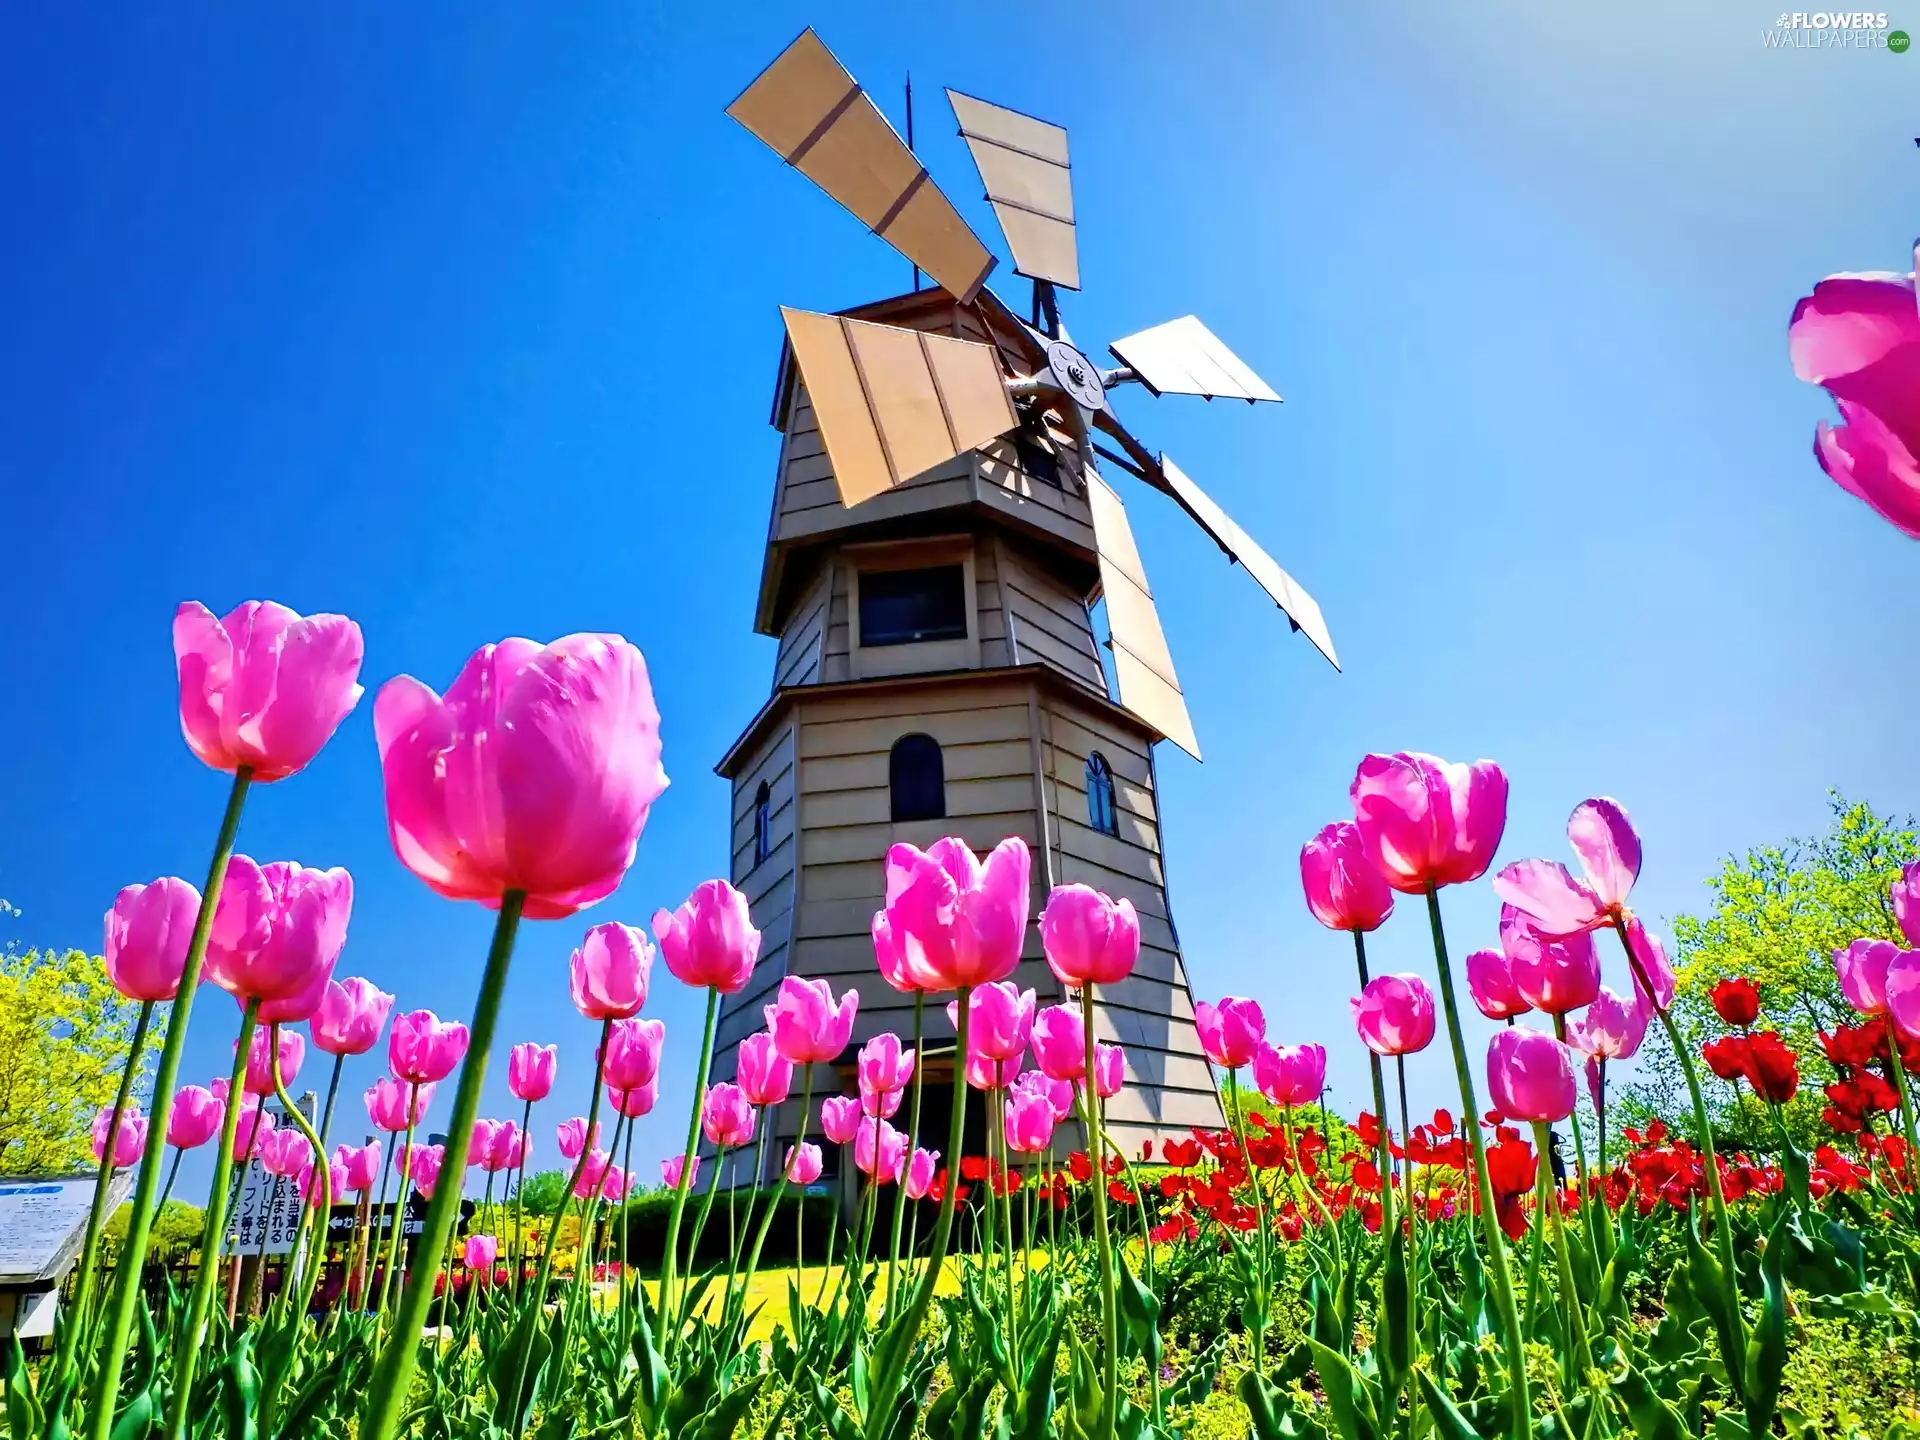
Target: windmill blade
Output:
{"points": [[892, 403], [816, 117], [1142, 664], [1302, 611], [1183, 357], [1023, 163]]}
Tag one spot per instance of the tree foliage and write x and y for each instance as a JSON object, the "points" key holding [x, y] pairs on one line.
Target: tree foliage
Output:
{"points": [[1778, 914], [64, 1032]]}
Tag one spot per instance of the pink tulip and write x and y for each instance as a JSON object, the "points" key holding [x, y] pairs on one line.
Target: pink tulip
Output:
{"points": [[264, 688], [336, 1181], [884, 1067], [763, 1073], [1859, 336], [350, 1017], [983, 1073], [149, 930], [884, 1103], [727, 1117], [1344, 891], [610, 971], [573, 1136], [480, 1252], [393, 1105], [426, 1166], [1425, 822], [839, 1118], [804, 1163], [807, 1027], [632, 1056], [530, 1070], [670, 1169], [613, 1185], [1109, 1070], [285, 1153], [1090, 939], [1652, 957], [1394, 1014], [290, 1009], [1231, 1031], [1058, 1093], [260, 1053], [1903, 993], [1029, 1121], [1906, 902], [423, 1048], [129, 1141], [1609, 851], [1059, 1040], [636, 1102], [951, 921], [1553, 976], [882, 1165], [1290, 1074], [195, 1117], [1490, 982], [1530, 1075], [921, 1168], [534, 773], [480, 1143], [277, 926], [251, 1129], [1612, 1028], [1862, 968], [709, 942], [362, 1165], [1000, 1018]]}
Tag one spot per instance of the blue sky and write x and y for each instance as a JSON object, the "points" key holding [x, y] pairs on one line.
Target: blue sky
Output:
{"points": [[464, 324]]}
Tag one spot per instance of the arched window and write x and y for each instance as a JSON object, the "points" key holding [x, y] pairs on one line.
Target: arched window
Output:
{"points": [[1100, 795], [917, 779], [762, 823]]}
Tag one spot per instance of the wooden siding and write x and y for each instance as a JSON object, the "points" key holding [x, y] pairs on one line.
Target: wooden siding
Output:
{"points": [[1049, 624], [769, 886], [801, 660]]}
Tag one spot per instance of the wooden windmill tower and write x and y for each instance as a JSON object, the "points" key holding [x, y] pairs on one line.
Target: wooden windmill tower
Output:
{"points": [[941, 534]]}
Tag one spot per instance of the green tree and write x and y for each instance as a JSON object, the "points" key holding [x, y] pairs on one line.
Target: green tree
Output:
{"points": [[64, 1032], [542, 1192], [1778, 914]]}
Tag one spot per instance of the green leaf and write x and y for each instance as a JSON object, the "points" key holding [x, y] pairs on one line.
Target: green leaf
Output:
{"points": [[1714, 1290], [1397, 1302], [24, 1416], [1448, 1422], [1767, 1346], [240, 1395], [1140, 1312], [137, 1419], [1652, 1417], [724, 1416], [1349, 1397]]}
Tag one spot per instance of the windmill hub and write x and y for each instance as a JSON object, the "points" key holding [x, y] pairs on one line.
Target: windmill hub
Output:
{"points": [[1076, 375]]}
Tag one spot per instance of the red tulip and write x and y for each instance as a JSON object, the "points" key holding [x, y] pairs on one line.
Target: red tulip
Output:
{"points": [[1737, 1001], [1772, 1068]]}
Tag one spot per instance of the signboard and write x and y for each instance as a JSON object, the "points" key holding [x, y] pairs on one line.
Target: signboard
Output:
{"points": [[266, 1214], [343, 1221], [42, 1223]]}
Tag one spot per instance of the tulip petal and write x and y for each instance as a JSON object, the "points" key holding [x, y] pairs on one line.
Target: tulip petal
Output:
{"points": [[1608, 846], [1546, 891]]}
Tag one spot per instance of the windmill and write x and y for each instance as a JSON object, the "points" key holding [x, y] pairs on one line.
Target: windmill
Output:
{"points": [[940, 533]]}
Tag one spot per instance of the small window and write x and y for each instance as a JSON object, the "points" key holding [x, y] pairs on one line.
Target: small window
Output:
{"points": [[905, 607], [1038, 460], [1100, 813], [762, 823], [917, 778]]}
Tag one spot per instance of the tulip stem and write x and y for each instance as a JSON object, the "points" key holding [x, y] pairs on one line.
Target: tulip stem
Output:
{"points": [[1514, 1341], [913, 1139], [1109, 1301], [1899, 1073], [97, 1211], [1259, 1307], [1576, 1320], [399, 1209], [311, 1265], [519, 1252], [326, 1114], [671, 1260], [1382, 1154], [780, 1190], [1723, 1227], [212, 1234], [393, 1377], [895, 1345], [133, 1250], [166, 1190], [626, 1230]]}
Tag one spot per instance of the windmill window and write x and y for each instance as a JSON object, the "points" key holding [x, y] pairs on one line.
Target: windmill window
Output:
{"points": [[1038, 460], [762, 823], [1100, 812], [917, 779], [907, 607]]}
